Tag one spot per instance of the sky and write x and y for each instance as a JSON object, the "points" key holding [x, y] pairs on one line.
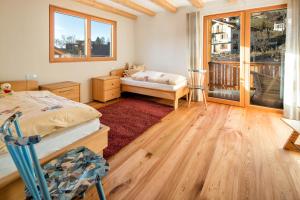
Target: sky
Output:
{"points": [[69, 26]]}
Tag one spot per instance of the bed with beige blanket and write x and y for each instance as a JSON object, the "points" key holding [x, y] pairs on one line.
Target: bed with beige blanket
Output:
{"points": [[62, 123], [44, 113], [152, 83]]}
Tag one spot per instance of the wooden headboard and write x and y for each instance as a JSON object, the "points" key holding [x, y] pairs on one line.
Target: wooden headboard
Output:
{"points": [[23, 85], [117, 72]]}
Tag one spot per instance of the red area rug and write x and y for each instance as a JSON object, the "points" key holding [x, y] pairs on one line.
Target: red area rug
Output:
{"points": [[128, 119]]}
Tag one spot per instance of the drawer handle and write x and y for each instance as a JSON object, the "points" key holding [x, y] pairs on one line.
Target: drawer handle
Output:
{"points": [[65, 91]]}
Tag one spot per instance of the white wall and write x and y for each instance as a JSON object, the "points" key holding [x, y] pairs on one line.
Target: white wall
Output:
{"points": [[161, 41], [24, 44]]}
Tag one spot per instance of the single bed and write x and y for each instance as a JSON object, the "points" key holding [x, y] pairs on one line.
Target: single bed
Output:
{"points": [[89, 133], [160, 90]]}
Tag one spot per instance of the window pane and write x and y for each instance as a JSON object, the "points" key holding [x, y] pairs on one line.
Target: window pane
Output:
{"points": [[69, 36], [268, 33], [224, 66], [101, 39], [225, 39]]}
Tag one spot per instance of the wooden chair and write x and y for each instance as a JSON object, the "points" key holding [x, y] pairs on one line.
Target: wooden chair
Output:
{"points": [[290, 143], [67, 177], [199, 75]]}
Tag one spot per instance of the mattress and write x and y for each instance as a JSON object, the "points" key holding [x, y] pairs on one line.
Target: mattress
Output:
{"points": [[151, 85], [52, 143], [44, 112]]}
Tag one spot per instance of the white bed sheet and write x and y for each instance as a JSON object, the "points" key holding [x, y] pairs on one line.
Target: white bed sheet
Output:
{"points": [[151, 85], [52, 143]]}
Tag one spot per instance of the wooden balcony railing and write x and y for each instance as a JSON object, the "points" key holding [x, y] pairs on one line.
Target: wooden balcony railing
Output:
{"points": [[226, 75], [269, 69]]}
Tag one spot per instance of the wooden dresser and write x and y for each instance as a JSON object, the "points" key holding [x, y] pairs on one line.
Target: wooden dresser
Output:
{"points": [[106, 88], [67, 89]]}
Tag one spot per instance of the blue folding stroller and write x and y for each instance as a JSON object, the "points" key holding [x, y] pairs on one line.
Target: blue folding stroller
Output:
{"points": [[67, 177]]}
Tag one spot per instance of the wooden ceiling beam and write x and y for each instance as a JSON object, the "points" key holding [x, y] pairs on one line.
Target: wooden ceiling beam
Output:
{"points": [[107, 8], [197, 3], [135, 6], [166, 5]]}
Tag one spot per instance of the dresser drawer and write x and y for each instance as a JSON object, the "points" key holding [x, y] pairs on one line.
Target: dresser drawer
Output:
{"points": [[111, 94], [68, 92], [111, 84]]}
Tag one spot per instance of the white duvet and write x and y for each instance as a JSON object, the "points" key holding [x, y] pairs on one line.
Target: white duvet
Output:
{"points": [[159, 77]]}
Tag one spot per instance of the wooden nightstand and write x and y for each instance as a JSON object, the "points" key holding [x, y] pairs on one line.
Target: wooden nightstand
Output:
{"points": [[106, 88], [67, 89]]}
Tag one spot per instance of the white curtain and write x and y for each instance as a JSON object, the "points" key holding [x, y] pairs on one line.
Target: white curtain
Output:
{"points": [[292, 62], [193, 39]]}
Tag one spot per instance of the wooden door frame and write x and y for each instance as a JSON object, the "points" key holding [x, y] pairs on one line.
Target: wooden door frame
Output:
{"points": [[245, 41], [206, 55]]}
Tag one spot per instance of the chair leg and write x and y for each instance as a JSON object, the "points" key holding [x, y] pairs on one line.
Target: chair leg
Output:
{"points": [[204, 99], [100, 190], [190, 96]]}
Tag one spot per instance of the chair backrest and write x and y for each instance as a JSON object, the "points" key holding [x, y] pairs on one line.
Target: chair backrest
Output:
{"points": [[25, 158], [197, 78]]}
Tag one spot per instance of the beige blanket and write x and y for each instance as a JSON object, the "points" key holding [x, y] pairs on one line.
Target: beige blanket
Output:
{"points": [[44, 112], [158, 77]]}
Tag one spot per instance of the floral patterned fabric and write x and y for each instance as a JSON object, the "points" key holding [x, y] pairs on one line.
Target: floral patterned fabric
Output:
{"points": [[70, 175]]}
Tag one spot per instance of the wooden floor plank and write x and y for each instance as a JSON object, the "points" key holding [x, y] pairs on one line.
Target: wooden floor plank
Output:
{"points": [[190, 173], [128, 175], [226, 158], [223, 153]]}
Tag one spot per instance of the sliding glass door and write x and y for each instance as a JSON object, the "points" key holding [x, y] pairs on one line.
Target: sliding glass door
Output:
{"points": [[244, 56], [223, 57], [265, 56]]}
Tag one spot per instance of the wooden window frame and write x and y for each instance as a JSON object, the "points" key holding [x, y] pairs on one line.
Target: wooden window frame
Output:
{"points": [[88, 19]]}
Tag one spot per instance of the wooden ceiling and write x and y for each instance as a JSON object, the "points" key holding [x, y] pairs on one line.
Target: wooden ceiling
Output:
{"points": [[132, 8]]}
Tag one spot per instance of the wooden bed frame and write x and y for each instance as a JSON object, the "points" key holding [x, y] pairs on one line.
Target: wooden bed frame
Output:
{"points": [[12, 187], [23, 85], [164, 94]]}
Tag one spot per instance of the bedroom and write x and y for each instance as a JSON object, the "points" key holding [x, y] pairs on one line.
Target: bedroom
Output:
{"points": [[159, 137]]}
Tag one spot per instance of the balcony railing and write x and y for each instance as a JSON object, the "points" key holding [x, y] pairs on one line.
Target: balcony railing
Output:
{"points": [[226, 75]]}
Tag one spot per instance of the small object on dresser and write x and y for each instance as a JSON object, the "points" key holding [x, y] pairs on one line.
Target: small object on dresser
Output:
{"points": [[106, 88], [67, 89], [5, 89]]}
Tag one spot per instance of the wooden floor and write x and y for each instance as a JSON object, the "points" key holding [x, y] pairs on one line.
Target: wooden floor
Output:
{"points": [[223, 153]]}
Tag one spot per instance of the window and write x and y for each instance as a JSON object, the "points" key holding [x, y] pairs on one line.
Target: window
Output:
{"points": [[76, 37], [69, 36], [100, 39]]}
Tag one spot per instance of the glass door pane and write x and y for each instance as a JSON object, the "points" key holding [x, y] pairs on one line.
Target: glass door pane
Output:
{"points": [[224, 62], [268, 33]]}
